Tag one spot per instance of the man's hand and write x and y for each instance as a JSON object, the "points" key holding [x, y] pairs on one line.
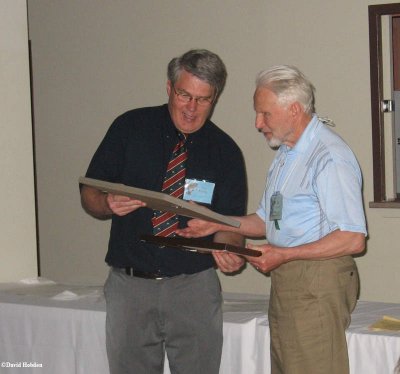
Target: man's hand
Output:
{"points": [[198, 228], [123, 205], [335, 244], [102, 205], [271, 257], [228, 262]]}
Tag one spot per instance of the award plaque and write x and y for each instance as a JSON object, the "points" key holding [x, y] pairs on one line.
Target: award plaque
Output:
{"points": [[161, 201], [198, 245]]}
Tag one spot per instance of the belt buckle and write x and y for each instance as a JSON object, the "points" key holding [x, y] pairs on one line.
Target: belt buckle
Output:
{"points": [[132, 273]]}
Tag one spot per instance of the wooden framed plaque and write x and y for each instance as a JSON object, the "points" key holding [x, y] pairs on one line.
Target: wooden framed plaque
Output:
{"points": [[160, 201], [198, 245]]}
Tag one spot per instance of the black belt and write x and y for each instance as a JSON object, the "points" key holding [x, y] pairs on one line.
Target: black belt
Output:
{"points": [[142, 274]]}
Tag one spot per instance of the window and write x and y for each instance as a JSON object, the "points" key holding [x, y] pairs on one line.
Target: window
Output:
{"points": [[386, 174]]}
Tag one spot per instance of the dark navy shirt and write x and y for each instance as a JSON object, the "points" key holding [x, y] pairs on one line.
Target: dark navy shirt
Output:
{"points": [[135, 152]]}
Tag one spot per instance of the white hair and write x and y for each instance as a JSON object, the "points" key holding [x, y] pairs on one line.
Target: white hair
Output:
{"points": [[289, 84]]}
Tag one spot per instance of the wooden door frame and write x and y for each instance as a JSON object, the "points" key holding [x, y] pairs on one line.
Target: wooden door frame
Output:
{"points": [[376, 75]]}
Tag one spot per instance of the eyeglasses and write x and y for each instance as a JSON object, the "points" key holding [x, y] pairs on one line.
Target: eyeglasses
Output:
{"points": [[185, 97]]}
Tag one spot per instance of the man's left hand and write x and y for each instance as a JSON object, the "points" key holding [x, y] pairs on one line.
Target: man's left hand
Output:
{"points": [[228, 262], [271, 257]]}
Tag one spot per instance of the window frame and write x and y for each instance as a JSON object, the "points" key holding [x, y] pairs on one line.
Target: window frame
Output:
{"points": [[376, 75]]}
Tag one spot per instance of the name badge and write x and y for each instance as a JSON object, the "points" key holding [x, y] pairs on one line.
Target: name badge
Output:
{"points": [[276, 207], [199, 191]]}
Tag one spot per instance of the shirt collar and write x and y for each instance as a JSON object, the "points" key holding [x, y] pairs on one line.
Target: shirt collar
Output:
{"points": [[306, 137]]}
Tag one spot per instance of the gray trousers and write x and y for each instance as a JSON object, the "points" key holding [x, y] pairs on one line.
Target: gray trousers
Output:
{"points": [[145, 318]]}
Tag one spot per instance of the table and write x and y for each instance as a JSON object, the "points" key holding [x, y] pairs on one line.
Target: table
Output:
{"points": [[48, 328]]}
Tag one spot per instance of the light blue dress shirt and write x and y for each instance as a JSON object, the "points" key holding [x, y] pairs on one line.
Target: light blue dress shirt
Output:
{"points": [[320, 182]]}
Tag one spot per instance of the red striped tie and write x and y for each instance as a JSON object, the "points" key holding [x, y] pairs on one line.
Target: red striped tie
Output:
{"points": [[165, 223]]}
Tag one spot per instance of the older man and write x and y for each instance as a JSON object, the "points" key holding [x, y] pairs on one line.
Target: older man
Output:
{"points": [[312, 216]]}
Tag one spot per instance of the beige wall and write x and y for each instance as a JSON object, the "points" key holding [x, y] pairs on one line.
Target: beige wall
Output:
{"points": [[17, 219], [93, 60]]}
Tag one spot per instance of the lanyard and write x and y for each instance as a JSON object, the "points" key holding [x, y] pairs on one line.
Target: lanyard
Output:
{"points": [[276, 200], [281, 162]]}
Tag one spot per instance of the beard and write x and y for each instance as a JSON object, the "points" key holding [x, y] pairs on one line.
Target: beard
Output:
{"points": [[274, 142]]}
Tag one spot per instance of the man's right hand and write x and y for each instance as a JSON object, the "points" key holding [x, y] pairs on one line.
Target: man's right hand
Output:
{"points": [[197, 228], [123, 205], [103, 205]]}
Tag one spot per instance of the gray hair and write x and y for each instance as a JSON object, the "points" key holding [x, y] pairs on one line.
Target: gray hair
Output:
{"points": [[289, 84], [203, 64]]}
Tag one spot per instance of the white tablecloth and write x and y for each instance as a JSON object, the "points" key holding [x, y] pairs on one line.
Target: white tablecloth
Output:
{"points": [[58, 329]]}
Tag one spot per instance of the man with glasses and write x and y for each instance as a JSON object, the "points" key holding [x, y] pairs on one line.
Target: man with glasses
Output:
{"points": [[165, 299]]}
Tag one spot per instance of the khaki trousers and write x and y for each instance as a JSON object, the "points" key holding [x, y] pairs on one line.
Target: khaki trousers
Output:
{"points": [[310, 307]]}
